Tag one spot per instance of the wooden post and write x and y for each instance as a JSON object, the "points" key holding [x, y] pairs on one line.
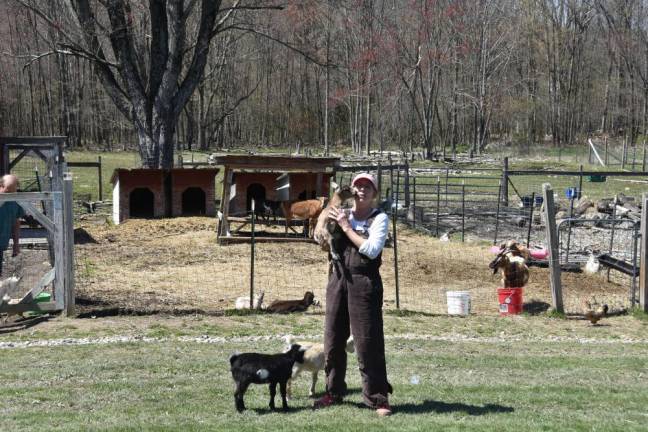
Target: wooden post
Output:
{"points": [[504, 185], [530, 220], [643, 157], [225, 202], [580, 182], [99, 171], [606, 151], [554, 256], [319, 190], [643, 260], [252, 260], [58, 248], [379, 177], [68, 238], [624, 155], [589, 154]]}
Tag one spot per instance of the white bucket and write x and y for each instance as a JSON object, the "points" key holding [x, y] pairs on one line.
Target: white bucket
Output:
{"points": [[458, 302]]}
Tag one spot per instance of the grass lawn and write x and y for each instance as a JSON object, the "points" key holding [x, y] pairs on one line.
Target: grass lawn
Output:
{"points": [[498, 382]]}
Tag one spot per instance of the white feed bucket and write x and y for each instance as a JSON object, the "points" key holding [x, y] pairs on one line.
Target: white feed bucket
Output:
{"points": [[458, 302]]}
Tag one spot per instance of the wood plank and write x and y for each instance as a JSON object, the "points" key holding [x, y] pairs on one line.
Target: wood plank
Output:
{"points": [[264, 239], [225, 203], [643, 259], [84, 164], [28, 196], [33, 140], [554, 255], [40, 217], [68, 247], [18, 159], [39, 287], [59, 251]]}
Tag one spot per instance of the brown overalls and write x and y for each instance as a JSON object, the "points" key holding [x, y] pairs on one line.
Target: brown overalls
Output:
{"points": [[354, 297]]}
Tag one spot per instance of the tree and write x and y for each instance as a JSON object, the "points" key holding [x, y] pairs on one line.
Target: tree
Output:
{"points": [[149, 58]]}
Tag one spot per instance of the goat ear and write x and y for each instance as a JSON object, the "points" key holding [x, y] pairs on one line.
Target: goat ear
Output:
{"points": [[335, 186]]}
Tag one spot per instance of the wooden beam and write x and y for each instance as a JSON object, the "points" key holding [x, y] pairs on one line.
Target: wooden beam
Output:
{"points": [[68, 247], [18, 158], [59, 251], [33, 140], [40, 286], [552, 246], [40, 217], [27, 196], [225, 203], [643, 260]]}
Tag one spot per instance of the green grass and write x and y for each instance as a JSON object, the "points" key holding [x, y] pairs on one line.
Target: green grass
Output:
{"points": [[176, 385]]}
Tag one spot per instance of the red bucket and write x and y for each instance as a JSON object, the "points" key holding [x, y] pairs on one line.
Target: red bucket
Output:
{"points": [[510, 301]]}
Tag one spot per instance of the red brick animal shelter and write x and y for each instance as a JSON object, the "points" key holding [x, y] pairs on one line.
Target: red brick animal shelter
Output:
{"points": [[157, 193], [268, 177]]}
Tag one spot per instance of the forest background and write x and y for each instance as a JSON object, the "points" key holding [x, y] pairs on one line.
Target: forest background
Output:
{"points": [[436, 76]]}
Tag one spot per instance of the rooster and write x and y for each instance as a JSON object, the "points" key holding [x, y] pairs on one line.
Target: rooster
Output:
{"points": [[594, 312]]}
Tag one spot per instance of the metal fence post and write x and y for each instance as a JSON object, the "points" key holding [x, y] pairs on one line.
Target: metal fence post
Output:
{"points": [[252, 260], [395, 257], [643, 269], [438, 204], [504, 186], [100, 179]]}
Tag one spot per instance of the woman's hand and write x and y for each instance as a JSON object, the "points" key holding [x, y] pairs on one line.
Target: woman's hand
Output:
{"points": [[340, 216]]}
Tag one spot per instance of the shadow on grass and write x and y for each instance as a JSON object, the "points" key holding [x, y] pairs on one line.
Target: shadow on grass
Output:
{"points": [[444, 407], [535, 307], [22, 323]]}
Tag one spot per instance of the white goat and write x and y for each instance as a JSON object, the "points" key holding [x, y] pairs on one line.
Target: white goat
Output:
{"points": [[244, 302], [313, 360]]}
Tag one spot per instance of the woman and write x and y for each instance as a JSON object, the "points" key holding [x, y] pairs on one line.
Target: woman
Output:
{"points": [[354, 297]]}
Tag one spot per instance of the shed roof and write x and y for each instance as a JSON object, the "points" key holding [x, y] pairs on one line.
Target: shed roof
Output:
{"points": [[118, 171], [278, 163]]}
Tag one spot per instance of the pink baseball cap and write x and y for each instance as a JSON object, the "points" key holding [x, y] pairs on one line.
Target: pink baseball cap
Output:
{"points": [[365, 176]]}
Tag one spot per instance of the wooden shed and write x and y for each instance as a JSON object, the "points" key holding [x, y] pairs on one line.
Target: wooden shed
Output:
{"points": [[269, 177], [156, 193]]}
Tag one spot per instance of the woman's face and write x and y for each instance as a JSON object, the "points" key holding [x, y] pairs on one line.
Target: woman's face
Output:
{"points": [[366, 192]]}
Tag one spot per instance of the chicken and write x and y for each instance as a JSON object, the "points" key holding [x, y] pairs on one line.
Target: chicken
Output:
{"points": [[594, 312], [593, 265]]}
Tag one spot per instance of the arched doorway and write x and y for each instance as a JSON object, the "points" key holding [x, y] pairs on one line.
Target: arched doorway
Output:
{"points": [[257, 192], [141, 202], [193, 202]]}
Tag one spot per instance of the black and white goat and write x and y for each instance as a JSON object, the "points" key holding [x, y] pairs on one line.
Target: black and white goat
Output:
{"points": [[314, 360], [273, 369]]}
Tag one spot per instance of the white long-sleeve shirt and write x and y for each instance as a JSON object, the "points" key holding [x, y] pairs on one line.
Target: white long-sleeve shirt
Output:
{"points": [[377, 234]]}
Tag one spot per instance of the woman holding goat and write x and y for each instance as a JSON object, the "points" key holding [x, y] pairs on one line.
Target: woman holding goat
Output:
{"points": [[354, 297]]}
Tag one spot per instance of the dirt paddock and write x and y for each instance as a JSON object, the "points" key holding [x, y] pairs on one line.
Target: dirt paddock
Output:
{"points": [[176, 266]]}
